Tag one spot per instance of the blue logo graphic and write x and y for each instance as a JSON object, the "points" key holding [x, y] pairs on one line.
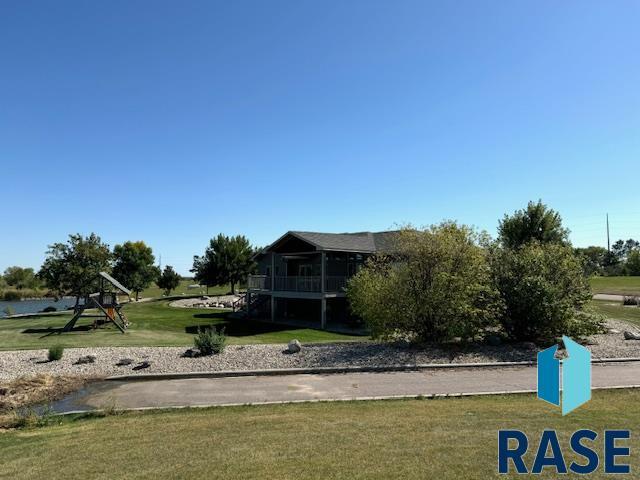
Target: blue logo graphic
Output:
{"points": [[576, 376]]}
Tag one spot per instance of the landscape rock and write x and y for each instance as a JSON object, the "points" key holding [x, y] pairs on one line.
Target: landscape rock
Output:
{"points": [[86, 359], [631, 335], [294, 346], [124, 361], [613, 330], [142, 365], [191, 353]]}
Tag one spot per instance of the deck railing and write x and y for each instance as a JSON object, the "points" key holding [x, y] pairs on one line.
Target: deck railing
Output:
{"points": [[259, 282], [297, 283], [335, 283]]}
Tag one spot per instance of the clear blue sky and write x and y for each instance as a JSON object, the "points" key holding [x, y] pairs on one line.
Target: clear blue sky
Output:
{"points": [[169, 122]]}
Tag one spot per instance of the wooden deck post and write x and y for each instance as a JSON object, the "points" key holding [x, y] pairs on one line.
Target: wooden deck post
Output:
{"points": [[323, 313], [273, 308], [323, 287]]}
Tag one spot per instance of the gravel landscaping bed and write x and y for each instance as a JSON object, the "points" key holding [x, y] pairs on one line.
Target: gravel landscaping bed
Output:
{"points": [[214, 301], [14, 364]]}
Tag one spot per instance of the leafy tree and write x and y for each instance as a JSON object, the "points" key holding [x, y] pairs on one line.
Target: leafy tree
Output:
{"points": [[632, 265], [20, 278], [134, 266], [436, 286], [544, 290], [169, 280], [621, 249], [595, 259], [536, 222], [72, 268], [226, 260]]}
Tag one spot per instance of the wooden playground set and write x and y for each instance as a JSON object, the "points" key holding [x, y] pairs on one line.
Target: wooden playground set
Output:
{"points": [[107, 303]]}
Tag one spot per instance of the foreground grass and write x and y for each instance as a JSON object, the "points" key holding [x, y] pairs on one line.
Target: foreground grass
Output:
{"points": [[443, 439], [153, 323], [616, 311], [616, 285]]}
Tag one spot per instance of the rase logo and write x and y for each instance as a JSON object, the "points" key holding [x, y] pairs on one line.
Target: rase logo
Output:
{"points": [[576, 376], [565, 383]]}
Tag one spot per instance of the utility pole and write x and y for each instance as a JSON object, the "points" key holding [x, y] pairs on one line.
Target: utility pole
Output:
{"points": [[608, 242]]}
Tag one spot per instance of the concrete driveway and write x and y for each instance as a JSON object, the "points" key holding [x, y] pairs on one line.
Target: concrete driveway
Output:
{"points": [[307, 387]]}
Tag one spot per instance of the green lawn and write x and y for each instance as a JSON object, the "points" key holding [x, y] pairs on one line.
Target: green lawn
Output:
{"points": [[155, 292], [616, 285], [617, 311], [152, 323], [454, 438], [155, 323]]}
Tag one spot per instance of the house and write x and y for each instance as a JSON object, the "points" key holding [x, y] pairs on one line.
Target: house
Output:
{"points": [[302, 276]]}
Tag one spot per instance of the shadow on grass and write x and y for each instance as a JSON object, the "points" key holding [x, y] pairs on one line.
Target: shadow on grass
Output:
{"points": [[48, 331], [239, 328]]}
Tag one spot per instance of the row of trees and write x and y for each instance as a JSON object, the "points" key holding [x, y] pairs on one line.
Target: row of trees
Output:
{"points": [[623, 259], [449, 281], [19, 278], [18, 282], [72, 267]]}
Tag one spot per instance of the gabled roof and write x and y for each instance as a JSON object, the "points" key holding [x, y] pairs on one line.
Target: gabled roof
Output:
{"points": [[115, 283], [363, 242]]}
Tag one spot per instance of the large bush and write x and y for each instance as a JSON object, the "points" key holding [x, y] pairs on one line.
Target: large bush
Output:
{"points": [[435, 284], [544, 290]]}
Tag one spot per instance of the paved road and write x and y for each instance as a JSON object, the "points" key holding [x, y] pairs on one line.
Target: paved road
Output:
{"points": [[240, 390], [608, 296]]}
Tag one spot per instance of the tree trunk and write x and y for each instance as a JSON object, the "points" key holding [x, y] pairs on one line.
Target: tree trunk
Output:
{"points": [[233, 288], [137, 295]]}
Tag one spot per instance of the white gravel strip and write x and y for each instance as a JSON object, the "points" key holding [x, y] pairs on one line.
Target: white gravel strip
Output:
{"points": [[203, 301], [15, 364]]}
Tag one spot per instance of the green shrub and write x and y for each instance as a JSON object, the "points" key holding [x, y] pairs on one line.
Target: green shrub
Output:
{"points": [[55, 353], [545, 292], [435, 287], [210, 341]]}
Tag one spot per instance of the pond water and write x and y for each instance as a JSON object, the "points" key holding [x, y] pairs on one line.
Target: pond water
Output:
{"points": [[35, 306]]}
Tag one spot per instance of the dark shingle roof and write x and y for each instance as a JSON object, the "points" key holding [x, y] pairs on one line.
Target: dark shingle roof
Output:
{"points": [[366, 242]]}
